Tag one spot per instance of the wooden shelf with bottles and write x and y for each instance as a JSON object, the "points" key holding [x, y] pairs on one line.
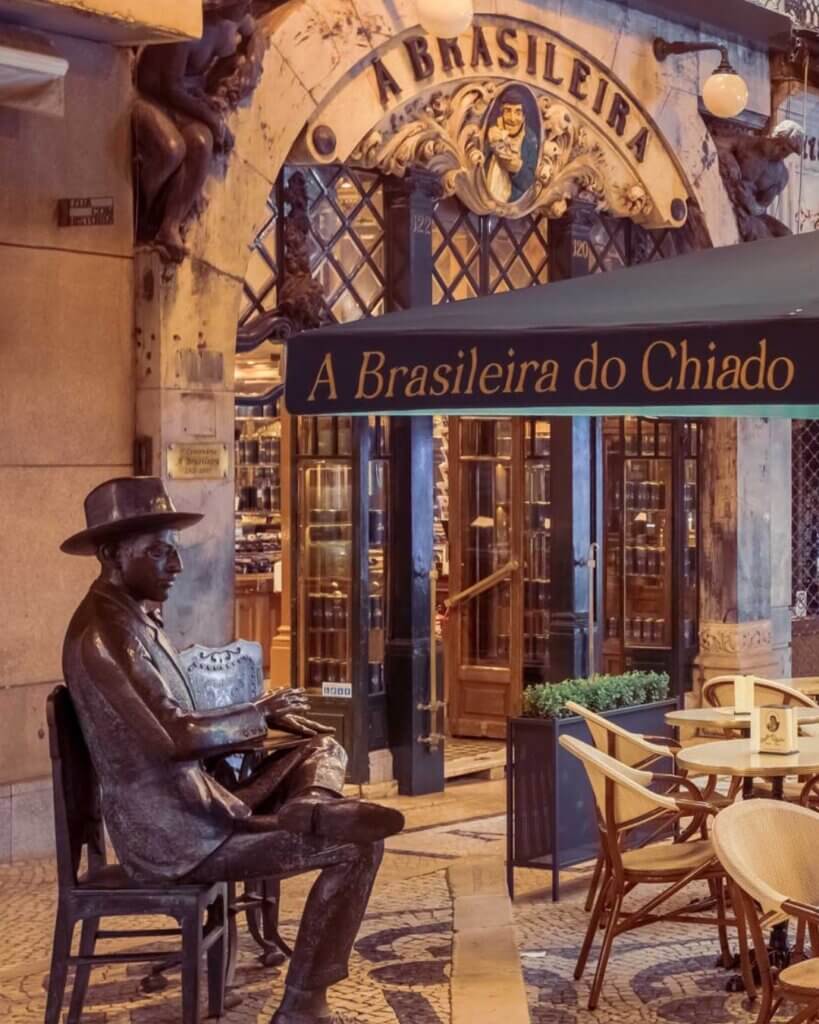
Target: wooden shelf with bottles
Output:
{"points": [[650, 544]]}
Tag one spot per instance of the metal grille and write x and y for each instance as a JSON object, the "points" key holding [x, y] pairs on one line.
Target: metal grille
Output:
{"points": [[805, 546], [262, 280], [615, 243], [805, 12], [346, 211], [474, 255]]}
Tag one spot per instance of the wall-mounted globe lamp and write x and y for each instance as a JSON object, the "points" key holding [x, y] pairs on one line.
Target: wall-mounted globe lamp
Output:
{"points": [[445, 19], [725, 93]]}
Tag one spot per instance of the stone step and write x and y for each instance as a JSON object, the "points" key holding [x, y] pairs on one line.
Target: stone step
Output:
{"points": [[487, 977]]}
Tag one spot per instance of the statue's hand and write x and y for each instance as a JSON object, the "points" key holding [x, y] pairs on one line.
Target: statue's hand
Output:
{"points": [[283, 709], [302, 726]]}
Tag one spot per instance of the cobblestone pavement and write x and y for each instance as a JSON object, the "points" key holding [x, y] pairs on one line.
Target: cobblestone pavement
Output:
{"points": [[399, 971], [661, 973]]}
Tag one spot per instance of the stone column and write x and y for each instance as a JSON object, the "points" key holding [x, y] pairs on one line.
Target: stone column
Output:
{"points": [[184, 374], [745, 563]]}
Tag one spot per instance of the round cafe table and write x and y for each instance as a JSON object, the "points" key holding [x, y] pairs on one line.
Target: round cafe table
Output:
{"points": [[727, 719], [734, 758]]}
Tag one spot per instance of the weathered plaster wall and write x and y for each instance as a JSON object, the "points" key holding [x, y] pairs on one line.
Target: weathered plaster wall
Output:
{"points": [[66, 394], [315, 48]]}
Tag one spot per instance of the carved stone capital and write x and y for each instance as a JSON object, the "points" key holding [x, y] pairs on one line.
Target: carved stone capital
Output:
{"points": [[728, 648], [733, 638]]}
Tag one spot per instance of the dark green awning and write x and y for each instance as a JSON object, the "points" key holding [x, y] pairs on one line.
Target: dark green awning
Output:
{"points": [[721, 332]]}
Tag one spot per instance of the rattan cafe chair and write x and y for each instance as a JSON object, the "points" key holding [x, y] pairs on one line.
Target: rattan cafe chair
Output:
{"points": [[629, 748], [768, 850], [624, 802]]}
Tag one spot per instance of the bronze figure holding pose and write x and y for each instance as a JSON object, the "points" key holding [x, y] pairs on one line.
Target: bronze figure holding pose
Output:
{"points": [[167, 817]]}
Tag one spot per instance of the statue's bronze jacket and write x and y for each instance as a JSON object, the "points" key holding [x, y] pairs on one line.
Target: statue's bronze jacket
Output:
{"points": [[164, 813]]}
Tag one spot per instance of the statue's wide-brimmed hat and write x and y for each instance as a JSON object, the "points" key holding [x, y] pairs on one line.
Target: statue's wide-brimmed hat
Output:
{"points": [[126, 505]]}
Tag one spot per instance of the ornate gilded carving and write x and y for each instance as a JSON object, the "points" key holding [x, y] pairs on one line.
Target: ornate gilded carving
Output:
{"points": [[503, 150]]}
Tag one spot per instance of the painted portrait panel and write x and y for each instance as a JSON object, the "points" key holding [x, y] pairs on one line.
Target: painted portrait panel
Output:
{"points": [[511, 144]]}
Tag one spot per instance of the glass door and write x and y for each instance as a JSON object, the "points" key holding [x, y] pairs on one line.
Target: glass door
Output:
{"points": [[485, 638]]}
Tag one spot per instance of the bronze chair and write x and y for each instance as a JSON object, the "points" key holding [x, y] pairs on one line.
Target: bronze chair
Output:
{"points": [[104, 890]]}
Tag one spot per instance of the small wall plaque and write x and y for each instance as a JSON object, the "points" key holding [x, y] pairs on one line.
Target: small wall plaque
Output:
{"points": [[774, 729], [85, 213], [203, 461], [344, 690]]}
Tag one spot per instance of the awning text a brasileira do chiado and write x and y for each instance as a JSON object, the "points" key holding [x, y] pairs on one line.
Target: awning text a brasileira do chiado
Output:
{"points": [[650, 371]]}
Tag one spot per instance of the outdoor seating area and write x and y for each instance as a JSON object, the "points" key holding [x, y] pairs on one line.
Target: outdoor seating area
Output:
{"points": [[725, 836]]}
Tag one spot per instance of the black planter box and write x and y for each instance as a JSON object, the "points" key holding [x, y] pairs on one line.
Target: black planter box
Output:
{"points": [[550, 816]]}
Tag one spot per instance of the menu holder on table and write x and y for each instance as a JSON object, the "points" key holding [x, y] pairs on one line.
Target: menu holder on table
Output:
{"points": [[743, 695], [774, 730]]}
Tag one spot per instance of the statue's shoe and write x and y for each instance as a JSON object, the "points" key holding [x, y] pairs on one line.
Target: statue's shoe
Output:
{"points": [[289, 1017], [348, 821]]}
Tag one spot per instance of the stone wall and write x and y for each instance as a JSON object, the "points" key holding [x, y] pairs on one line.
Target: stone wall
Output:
{"points": [[66, 394]]}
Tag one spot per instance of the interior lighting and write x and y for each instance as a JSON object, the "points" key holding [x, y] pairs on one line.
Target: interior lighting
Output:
{"points": [[725, 92], [444, 19]]}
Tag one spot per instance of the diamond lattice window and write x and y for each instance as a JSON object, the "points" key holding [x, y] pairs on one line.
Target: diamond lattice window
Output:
{"points": [[475, 255], [805, 518], [262, 280], [346, 212]]}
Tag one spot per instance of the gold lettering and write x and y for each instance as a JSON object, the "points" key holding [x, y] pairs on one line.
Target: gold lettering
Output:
{"points": [[685, 361], [367, 371], [456, 390], [646, 370], [328, 380], [530, 364], [440, 376], [758, 361], [417, 384], [620, 368], [394, 371], [728, 379], [547, 381], [493, 371], [592, 362], [473, 370], [711, 364], [510, 372], [790, 372]]}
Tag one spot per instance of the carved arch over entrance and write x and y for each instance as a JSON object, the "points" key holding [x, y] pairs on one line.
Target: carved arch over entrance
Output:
{"points": [[443, 104]]}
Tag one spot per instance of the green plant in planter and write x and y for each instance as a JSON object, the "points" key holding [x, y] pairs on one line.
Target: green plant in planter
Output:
{"points": [[600, 693]]}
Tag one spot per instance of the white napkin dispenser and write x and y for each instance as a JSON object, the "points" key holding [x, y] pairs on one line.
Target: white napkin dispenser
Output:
{"points": [[774, 729]]}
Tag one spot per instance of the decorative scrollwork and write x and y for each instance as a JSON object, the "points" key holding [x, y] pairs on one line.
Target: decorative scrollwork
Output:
{"points": [[450, 135]]}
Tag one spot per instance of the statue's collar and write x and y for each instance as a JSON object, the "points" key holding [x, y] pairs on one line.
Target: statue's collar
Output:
{"points": [[124, 600]]}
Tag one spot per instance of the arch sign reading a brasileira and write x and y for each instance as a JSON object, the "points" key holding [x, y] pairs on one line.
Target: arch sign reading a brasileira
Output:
{"points": [[512, 118]]}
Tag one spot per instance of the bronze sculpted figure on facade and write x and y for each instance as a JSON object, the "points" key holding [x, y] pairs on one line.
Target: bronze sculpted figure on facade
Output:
{"points": [[185, 91], [754, 174], [168, 819]]}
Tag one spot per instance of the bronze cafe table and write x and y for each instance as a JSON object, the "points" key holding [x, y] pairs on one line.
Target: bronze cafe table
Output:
{"points": [[735, 758]]}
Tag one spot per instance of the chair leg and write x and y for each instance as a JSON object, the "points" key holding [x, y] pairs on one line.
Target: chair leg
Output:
{"points": [[595, 881], [58, 975], [605, 950], [217, 958], [191, 965], [594, 921], [742, 938], [88, 940], [715, 884]]}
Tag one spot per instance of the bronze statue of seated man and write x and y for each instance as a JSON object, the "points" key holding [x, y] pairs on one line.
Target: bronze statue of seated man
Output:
{"points": [[168, 819]]}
